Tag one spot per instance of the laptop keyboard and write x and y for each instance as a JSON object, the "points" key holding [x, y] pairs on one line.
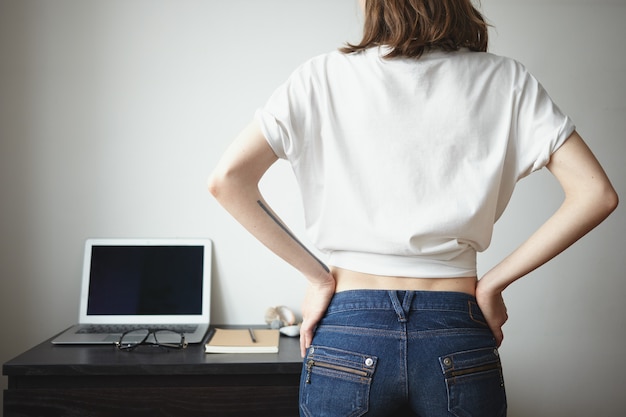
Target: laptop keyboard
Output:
{"points": [[121, 328]]}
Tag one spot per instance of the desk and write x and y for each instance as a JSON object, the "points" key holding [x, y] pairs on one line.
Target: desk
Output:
{"points": [[85, 381]]}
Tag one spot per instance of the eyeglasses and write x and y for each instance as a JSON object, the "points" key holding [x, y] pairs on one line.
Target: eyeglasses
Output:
{"points": [[160, 337]]}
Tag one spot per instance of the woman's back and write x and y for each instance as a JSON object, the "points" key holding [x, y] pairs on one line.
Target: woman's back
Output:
{"points": [[422, 153]]}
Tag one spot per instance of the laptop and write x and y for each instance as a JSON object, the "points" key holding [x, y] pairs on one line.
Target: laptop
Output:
{"points": [[143, 284]]}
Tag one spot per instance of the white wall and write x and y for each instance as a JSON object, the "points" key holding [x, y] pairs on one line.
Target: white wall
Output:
{"points": [[112, 114]]}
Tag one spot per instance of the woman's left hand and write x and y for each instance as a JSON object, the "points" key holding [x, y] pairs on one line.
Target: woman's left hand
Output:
{"points": [[316, 301]]}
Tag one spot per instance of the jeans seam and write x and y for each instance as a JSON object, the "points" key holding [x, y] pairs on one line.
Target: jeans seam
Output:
{"points": [[405, 361]]}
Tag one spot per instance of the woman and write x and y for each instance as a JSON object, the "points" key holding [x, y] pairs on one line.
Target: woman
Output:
{"points": [[406, 148]]}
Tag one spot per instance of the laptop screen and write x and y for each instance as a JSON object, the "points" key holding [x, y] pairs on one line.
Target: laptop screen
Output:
{"points": [[145, 280]]}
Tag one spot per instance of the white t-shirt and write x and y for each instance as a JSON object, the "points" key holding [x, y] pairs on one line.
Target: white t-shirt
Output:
{"points": [[404, 165]]}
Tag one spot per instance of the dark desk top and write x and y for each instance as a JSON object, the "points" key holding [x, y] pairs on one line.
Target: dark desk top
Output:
{"points": [[47, 359]]}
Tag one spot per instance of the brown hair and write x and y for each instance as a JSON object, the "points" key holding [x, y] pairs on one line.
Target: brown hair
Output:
{"points": [[411, 27]]}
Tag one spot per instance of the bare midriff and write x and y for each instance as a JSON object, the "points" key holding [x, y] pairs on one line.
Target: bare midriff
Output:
{"points": [[352, 280]]}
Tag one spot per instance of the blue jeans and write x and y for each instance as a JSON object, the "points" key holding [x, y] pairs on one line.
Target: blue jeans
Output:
{"points": [[429, 353]]}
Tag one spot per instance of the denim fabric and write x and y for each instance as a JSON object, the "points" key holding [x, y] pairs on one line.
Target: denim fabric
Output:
{"points": [[375, 352]]}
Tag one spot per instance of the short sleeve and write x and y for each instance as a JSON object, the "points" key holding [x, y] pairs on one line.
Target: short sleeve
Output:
{"points": [[539, 127], [277, 136], [286, 118]]}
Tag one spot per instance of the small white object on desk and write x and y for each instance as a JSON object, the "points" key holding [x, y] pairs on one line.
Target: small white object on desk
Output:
{"points": [[291, 331]]}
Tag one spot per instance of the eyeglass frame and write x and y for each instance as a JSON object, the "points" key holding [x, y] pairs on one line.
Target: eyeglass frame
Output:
{"points": [[129, 347]]}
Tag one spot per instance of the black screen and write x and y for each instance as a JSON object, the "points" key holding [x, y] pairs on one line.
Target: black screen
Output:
{"points": [[146, 280]]}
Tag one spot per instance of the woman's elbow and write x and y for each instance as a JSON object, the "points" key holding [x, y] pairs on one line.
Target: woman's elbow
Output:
{"points": [[603, 201], [611, 200], [227, 185], [216, 184]]}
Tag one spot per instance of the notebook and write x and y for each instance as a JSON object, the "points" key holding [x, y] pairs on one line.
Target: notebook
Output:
{"points": [[142, 283], [243, 341]]}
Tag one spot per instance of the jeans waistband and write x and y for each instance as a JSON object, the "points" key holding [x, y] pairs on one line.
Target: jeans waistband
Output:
{"points": [[401, 301]]}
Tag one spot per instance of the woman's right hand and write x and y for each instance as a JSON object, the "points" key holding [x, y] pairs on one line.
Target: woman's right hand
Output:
{"points": [[589, 199], [494, 310]]}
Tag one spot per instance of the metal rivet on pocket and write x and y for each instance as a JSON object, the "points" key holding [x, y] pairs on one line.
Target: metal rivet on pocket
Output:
{"points": [[369, 362], [447, 362], [311, 350], [495, 352]]}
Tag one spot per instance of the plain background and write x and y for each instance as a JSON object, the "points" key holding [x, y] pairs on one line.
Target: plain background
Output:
{"points": [[113, 113]]}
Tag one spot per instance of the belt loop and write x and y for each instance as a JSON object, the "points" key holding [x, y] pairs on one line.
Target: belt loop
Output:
{"points": [[406, 303], [395, 301]]}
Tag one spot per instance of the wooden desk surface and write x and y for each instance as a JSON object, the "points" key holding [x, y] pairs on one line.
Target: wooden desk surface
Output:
{"points": [[47, 359], [102, 381]]}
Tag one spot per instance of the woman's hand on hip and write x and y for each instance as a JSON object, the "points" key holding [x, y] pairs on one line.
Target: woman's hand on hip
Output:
{"points": [[316, 301], [494, 309]]}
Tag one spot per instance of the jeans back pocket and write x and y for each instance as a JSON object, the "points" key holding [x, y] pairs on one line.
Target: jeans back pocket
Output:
{"points": [[336, 382], [475, 383]]}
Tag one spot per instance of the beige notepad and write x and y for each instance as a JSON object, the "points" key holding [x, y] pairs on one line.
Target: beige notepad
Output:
{"points": [[241, 341]]}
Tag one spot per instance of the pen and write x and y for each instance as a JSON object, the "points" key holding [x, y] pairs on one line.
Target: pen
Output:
{"points": [[252, 335]]}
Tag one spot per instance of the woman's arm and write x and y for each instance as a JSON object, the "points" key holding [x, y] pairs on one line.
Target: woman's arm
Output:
{"points": [[589, 199], [234, 183]]}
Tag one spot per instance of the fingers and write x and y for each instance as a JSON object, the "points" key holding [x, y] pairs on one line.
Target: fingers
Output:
{"points": [[316, 301], [495, 312], [305, 344], [306, 337], [307, 329], [498, 334], [502, 317]]}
